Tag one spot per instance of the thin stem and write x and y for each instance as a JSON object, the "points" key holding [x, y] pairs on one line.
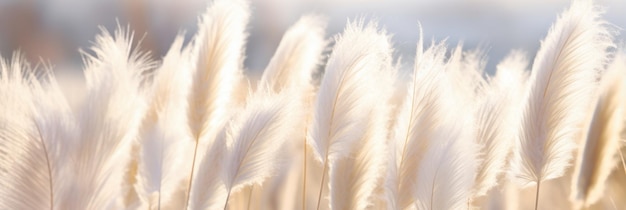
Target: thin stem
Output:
{"points": [[537, 194], [193, 166], [304, 174], [159, 202], [45, 151], [319, 197], [227, 197], [250, 196]]}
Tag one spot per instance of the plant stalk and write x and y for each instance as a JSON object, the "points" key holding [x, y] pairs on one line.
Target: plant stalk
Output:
{"points": [[537, 194], [319, 197], [227, 198], [193, 166], [250, 196], [304, 175]]}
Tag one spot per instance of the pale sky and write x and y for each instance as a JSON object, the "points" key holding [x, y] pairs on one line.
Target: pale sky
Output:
{"points": [[495, 25]]}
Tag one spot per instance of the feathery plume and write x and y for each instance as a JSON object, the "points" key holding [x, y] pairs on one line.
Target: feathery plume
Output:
{"points": [[209, 191], [297, 55], [218, 53], [563, 78], [422, 114], [465, 69], [257, 136], [355, 179], [497, 120], [597, 155], [36, 134], [343, 100], [495, 137], [447, 170], [447, 153], [253, 139], [164, 133], [513, 69], [291, 68], [109, 121]]}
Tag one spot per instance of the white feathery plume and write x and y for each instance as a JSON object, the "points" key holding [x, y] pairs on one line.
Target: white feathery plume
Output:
{"points": [[497, 120], [297, 56], [36, 132], [344, 98], [353, 181], [446, 148], [512, 74], [292, 67], [465, 68], [421, 116], [209, 191], [435, 156], [253, 139], [494, 136], [447, 171], [57, 125], [513, 68], [22, 151], [109, 121], [597, 154], [562, 82], [164, 133], [218, 53], [284, 191], [257, 135], [219, 48]]}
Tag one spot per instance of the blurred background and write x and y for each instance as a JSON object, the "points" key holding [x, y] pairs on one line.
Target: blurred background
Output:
{"points": [[55, 29]]}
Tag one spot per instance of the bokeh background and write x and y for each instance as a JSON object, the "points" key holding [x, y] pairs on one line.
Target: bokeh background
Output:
{"points": [[55, 29]]}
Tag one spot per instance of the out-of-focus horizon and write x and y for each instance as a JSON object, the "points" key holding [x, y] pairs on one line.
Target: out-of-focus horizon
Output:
{"points": [[54, 30]]}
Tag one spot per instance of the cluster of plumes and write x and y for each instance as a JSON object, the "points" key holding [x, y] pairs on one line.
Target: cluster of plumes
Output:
{"points": [[191, 132]]}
